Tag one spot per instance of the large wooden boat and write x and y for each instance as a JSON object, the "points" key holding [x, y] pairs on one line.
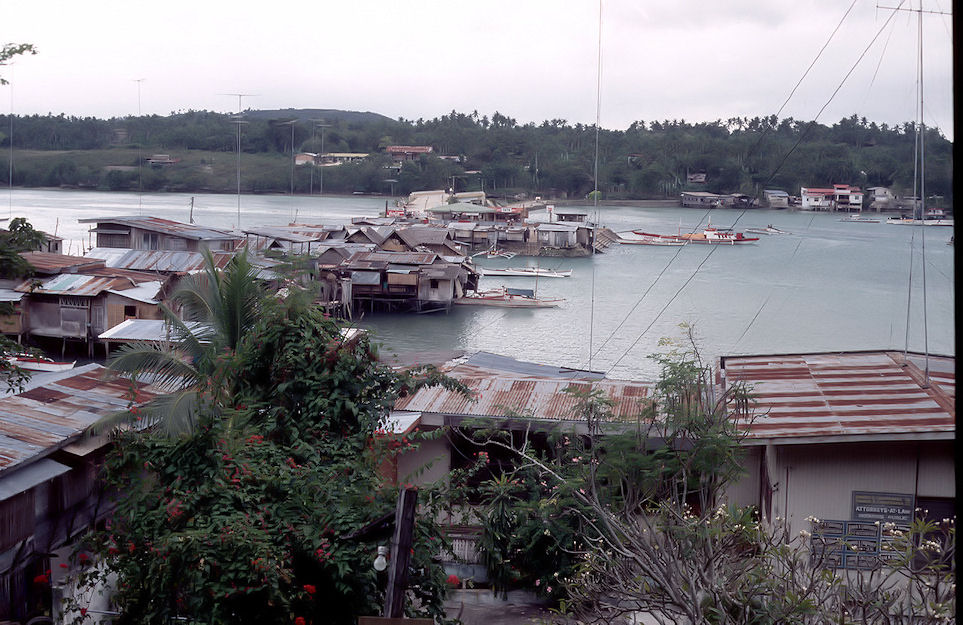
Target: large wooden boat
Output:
{"points": [[509, 298], [710, 236]]}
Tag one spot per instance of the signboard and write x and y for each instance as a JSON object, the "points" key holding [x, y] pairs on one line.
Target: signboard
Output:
{"points": [[891, 507], [838, 544]]}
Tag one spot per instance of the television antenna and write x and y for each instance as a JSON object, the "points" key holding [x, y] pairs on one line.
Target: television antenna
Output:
{"points": [[237, 121], [140, 157]]}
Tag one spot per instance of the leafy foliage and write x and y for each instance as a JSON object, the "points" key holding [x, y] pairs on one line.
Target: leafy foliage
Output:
{"points": [[251, 517], [19, 237]]}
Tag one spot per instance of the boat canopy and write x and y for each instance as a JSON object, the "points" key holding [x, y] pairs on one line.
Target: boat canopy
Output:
{"points": [[522, 292]]}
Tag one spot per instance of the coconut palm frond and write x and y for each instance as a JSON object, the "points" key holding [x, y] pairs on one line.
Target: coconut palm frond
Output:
{"points": [[240, 299], [174, 414], [165, 368]]}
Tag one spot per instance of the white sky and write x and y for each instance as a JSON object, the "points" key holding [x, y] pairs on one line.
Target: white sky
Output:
{"points": [[528, 59]]}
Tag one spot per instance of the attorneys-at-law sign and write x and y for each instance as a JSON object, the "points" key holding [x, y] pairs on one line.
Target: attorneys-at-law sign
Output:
{"points": [[891, 507]]}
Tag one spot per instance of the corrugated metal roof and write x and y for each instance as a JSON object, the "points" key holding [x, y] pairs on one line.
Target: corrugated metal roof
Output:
{"points": [[46, 417], [148, 330], [146, 292], [29, 476], [73, 284], [157, 260], [396, 258], [9, 295], [47, 262], [167, 226], [529, 391], [846, 394]]}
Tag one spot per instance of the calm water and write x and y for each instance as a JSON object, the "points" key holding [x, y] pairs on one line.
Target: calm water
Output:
{"points": [[828, 286]]}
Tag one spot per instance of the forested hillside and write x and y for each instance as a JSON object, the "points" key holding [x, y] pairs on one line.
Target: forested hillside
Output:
{"points": [[554, 158]]}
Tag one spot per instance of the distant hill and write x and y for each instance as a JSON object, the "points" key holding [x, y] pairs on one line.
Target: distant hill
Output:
{"points": [[328, 115]]}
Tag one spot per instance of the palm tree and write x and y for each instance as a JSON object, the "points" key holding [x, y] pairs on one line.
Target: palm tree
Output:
{"points": [[195, 366]]}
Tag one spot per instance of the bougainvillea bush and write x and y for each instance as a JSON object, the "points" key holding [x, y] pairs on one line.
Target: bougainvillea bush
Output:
{"points": [[251, 517]]}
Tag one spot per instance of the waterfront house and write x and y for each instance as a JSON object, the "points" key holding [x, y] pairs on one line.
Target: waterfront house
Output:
{"points": [[339, 158], [418, 281], [840, 197], [76, 298], [291, 239], [154, 233], [880, 199], [305, 158], [422, 238], [49, 492], [366, 234], [776, 198], [850, 438], [704, 199]]}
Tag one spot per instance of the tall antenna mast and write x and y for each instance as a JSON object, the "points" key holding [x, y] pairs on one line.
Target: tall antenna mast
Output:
{"points": [[595, 176], [140, 157], [239, 122]]}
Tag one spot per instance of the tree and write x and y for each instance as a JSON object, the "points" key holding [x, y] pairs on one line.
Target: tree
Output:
{"points": [[254, 519], [10, 50], [196, 366], [19, 237]]}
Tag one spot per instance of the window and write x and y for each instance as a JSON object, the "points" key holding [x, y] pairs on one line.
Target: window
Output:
{"points": [[433, 284], [130, 312]]}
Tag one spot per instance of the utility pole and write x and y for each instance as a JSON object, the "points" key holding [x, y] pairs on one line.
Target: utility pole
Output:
{"points": [[291, 123], [400, 553]]}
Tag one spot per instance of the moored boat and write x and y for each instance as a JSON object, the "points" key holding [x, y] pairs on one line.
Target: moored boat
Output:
{"points": [[858, 217], [767, 230], [650, 240], [509, 298], [541, 272], [710, 236], [39, 363]]}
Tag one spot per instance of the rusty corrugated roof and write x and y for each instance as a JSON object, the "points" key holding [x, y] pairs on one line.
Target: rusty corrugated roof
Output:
{"points": [[157, 260], [55, 413], [73, 284], [802, 396], [167, 226], [46, 262], [397, 258], [497, 393]]}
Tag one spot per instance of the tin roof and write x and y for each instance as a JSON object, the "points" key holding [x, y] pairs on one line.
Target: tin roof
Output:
{"points": [[372, 259], [146, 330], [50, 415], [147, 292], [156, 260], [530, 390], [73, 284], [832, 396], [166, 226], [47, 262]]}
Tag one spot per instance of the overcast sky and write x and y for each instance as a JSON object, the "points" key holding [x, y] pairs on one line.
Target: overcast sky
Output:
{"points": [[528, 59]]}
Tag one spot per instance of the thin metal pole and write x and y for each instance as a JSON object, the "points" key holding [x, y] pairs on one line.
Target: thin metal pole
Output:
{"points": [[140, 158], [926, 346]]}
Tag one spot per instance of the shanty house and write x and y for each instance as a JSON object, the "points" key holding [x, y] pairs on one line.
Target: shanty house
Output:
{"points": [[49, 494], [422, 239], [776, 198], [154, 233], [851, 438], [77, 298], [405, 280]]}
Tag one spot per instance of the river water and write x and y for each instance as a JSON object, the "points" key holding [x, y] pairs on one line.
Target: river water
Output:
{"points": [[828, 286]]}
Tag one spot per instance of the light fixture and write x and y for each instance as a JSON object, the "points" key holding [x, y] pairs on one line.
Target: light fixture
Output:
{"points": [[381, 562]]}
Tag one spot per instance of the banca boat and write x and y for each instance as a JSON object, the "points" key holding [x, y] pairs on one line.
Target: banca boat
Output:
{"points": [[767, 230], [709, 236], [509, 298], [540, 272], [39, 363]]}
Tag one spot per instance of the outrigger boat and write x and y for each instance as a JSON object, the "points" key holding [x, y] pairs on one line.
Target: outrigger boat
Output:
{"points": [[509, 298], [524, 271], [650, 240], [710, 236], [767, 230], [858, 217], [39, 363]]}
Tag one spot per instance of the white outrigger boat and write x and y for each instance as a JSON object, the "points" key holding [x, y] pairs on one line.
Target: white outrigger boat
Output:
{"points": [[540, 272], [39, 363], [509, 298], [770, 229]]}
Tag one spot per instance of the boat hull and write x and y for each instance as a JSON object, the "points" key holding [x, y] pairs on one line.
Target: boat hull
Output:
{"points": [[40, 364], [524, 272], [714, 238]]}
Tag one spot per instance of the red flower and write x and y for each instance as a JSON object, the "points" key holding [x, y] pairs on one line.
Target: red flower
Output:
{"points": [[308, 588], [83, 611], [299, 621], [453, 580], [41, 579]]}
